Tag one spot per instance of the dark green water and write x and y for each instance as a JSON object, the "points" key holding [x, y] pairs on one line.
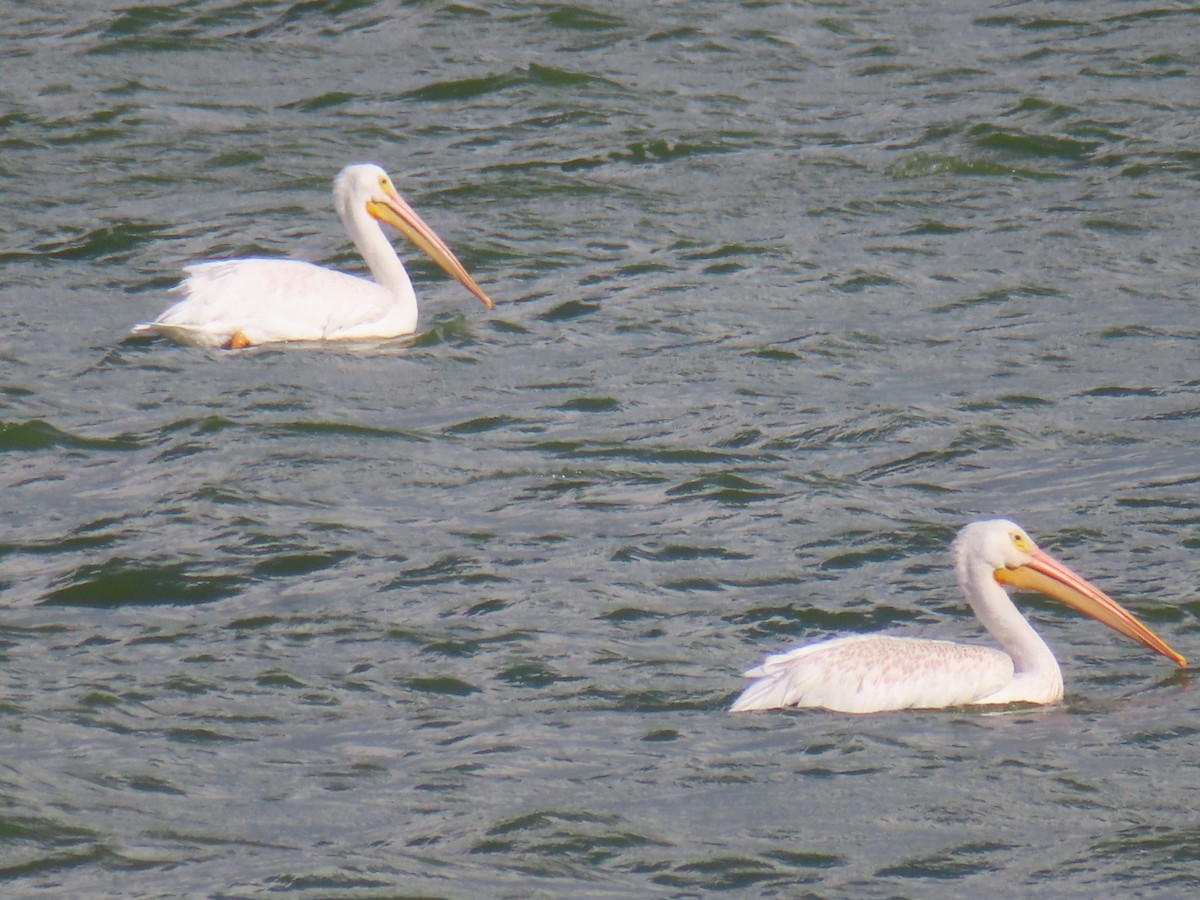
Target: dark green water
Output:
{"points": [[786, 294]]}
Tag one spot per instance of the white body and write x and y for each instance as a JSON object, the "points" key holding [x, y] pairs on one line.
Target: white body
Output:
{"points": [[271, 300], [872, 673]]}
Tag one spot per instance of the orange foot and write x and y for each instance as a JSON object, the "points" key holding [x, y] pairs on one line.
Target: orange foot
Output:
{"points": [[237, 341]]}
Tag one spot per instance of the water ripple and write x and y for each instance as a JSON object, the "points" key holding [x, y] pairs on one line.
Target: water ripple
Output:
{"points": [[785, 295]]}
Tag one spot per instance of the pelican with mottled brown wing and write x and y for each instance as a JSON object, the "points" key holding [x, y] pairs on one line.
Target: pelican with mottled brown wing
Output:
{"points": [[873, 673], [242, 302]]}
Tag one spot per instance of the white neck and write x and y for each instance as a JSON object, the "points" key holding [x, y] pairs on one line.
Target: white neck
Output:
{"points": [[1000, 616], [377, 252]]}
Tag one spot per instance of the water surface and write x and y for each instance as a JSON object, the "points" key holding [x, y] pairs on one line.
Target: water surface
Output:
{"points": [[787, 294]]}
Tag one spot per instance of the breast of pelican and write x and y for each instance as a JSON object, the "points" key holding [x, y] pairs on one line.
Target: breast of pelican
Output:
{"points": [[240, 302], [873, 673]]}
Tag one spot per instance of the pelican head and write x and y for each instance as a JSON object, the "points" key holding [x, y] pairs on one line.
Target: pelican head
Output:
{"points": [[1016, 561], [366, 186], [995, 543]]}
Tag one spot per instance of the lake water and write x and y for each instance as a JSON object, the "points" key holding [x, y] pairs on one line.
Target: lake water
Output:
{"points": [[786, 294]]}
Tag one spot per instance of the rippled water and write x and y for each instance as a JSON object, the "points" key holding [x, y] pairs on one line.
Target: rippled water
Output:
{"points": [[786, 294]]}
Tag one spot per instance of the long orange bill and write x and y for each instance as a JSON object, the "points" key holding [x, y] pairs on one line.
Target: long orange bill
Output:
{"points": [[1047, 575], [401, 216]]}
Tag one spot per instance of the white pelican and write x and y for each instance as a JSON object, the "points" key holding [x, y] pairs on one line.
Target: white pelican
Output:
{"points": [[872, 673], [240, 302]]}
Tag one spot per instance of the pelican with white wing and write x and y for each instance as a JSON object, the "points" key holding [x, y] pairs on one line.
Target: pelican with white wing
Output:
{"points": [[873, 673], [239, 303]]}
